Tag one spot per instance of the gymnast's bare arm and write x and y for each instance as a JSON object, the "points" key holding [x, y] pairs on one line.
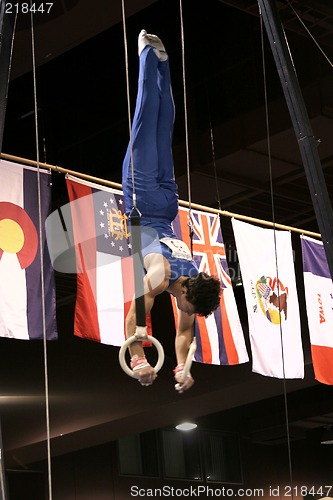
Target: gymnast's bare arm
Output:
{"points": [[184, 337], [156, 281]]}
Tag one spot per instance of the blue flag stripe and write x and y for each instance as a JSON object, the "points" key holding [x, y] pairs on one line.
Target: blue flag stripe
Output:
{"points": [[314, 258], [33, 272]]}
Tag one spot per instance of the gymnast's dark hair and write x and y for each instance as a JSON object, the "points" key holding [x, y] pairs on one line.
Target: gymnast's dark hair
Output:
{"points": [[203, 292]]}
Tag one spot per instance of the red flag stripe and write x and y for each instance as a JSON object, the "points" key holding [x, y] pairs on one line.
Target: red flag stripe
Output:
{"points": [[128, 286], [86, 315], [205, 342], [229, 343], [183, 216], [322, 358]]}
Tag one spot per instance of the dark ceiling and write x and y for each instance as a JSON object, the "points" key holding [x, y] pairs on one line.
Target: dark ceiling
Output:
{"points": [[82, 116]]}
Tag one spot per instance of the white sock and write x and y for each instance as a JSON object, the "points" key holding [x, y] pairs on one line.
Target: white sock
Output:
{"points": [[142, 41], [153, 41]]}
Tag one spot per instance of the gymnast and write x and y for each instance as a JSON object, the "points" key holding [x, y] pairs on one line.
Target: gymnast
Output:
{"points": [[167, 260]]}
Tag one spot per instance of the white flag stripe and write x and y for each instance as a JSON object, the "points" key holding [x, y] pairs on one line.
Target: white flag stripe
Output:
{"points": [[268, 275], [13, 293], [319, 292], [110, 302], [213, 338], [12, 277], [11, 190]]}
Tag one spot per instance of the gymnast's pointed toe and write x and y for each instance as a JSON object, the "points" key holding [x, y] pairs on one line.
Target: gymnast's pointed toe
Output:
{"points": [[153, 41]]}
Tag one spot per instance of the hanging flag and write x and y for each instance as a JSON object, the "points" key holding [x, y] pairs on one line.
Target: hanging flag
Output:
{"points": [[219, 337], [266, 262], [104, 265], [21, 297], [319, 306]]}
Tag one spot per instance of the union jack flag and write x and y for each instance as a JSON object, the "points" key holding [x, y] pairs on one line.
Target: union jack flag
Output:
{"points": [[219, 337]]}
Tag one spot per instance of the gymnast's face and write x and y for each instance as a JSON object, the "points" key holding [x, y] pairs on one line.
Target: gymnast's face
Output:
{"points": [[183, 304]]}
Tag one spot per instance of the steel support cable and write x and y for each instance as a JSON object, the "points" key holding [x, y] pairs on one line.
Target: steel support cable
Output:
{"points": [[192, 349], [308, 144], [8, 29], [134, 217], [41, 252], [276, 253]]}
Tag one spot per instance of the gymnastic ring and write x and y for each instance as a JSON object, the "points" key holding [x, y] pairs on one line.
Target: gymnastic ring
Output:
{"points": [[132, 339], [189, 359]]}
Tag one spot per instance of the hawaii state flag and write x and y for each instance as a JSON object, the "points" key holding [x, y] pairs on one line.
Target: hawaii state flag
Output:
{"points": [[104, 264], [319, 306], [268, 275], [21, 297], [219, 337]]}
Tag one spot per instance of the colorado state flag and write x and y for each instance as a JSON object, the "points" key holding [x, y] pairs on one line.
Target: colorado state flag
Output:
{"points": [[20, 265]]}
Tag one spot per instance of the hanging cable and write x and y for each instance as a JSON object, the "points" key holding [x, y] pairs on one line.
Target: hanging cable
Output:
{"points": [[212, 144], [188, 173], [3, 488], [310, 35], [214, 164], [41, 251], [141, 333], [128, 103], [134, 215], [9, 69], [275, 249]]}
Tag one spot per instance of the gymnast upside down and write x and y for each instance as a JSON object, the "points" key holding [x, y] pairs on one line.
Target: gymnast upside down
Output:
{"points": [[167, 260]]}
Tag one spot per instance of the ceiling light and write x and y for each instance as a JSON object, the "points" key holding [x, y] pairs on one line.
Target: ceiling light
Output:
{"points": [[186, 426], [327, 437]]}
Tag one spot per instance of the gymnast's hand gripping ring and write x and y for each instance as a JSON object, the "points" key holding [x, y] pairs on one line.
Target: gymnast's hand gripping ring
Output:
{"points": [[140, 336], [189, 359]]}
